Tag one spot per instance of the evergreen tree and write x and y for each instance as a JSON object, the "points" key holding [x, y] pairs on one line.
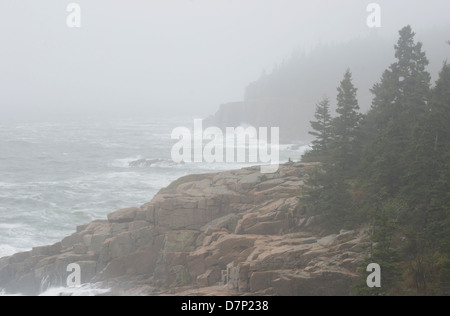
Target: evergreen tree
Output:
{"points": [[404, 157], [404, 87], [414, 80], [321, 130], [431, 145], [382, 250], [330, 193], [433, 159], [440, 112], [345, 126], [401, 182], [400, 102]]}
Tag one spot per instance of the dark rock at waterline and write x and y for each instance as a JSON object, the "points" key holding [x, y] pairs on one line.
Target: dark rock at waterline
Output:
{"points": [[145, 163]]}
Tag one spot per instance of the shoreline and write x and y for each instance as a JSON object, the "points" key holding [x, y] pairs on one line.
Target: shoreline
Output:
{"points": [[249, 225]]}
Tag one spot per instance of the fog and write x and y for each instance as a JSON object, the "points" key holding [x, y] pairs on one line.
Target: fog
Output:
{"points": [[172, 57]]}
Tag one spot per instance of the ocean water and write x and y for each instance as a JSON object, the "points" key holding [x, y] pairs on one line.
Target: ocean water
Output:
{"points": [[55, 176]]}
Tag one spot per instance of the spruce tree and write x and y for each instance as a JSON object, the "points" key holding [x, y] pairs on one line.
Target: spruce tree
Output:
{"points": [[431, 145], [321, 131], [433, 161], [403, 179], [440, 112], [426, 187], [414, 80], [329, 191], [402, 162], [400, 102], [345, 125], [404, 87]]}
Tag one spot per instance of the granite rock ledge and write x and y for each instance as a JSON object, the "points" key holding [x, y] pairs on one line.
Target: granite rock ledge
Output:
{"points": [[229, 233]]}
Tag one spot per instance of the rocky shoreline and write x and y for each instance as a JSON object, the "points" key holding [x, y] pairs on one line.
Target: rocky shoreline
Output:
{"points": [[230, 233]]}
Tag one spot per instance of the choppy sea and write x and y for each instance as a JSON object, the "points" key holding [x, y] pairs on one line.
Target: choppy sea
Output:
{"points": [[57, 175]]}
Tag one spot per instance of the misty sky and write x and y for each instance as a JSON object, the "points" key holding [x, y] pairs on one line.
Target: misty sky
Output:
{"points": [[175, 57]]}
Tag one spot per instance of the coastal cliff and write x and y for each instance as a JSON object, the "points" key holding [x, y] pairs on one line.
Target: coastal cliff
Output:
{"points": [[230, 233]]}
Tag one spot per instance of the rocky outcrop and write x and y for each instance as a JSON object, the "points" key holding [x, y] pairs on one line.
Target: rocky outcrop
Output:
{"points": [[147, 163], [235, 232]]}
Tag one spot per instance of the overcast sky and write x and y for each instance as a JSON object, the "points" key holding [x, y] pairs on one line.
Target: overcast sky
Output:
{"points": [[168, 56]]}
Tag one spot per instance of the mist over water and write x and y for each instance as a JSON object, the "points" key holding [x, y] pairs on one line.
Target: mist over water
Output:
{"points": [[79, 106], [182, 57], [56, 176]]}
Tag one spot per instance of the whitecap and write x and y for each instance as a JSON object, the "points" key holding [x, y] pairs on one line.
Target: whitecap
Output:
{"points": [[83, 290], [8, 250], [115, 175], [6, 185], [6, 226], [124, 162]]}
